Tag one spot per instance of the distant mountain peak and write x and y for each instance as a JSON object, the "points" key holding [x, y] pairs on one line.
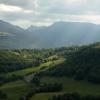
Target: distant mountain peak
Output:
{"points": [[35, 28]]}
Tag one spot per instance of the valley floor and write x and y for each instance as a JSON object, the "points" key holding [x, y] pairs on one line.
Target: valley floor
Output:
{"points": [[17, 89]]}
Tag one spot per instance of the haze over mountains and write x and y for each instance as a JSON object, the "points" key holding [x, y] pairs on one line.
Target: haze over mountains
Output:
{"points": [[56, 35]]}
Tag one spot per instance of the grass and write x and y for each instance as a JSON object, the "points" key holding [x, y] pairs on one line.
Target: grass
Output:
{"points": [[43, 96], [29, 70], [15, 90], [69, 85], [33, 69]]}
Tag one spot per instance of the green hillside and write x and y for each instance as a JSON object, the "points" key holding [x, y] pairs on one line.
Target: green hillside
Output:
{"points": [[15, 89], [42, 74], [69, 86], [18, 89], [83, 64]]}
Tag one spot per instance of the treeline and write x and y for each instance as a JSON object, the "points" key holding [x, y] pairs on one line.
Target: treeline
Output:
{"points": [[45, 88], [83, 64], [12, 60], [42, 88], [74, 96], [4, 79]]}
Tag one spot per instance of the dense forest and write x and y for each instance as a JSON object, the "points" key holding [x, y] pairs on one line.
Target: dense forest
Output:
{"points": [[41, 71], [81, 64]]}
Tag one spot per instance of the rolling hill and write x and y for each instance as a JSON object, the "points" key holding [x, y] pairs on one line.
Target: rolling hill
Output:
{"points": [[76, 68]]}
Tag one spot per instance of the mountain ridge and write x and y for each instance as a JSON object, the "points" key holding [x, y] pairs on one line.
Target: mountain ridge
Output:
{"points": [[56, 35]]}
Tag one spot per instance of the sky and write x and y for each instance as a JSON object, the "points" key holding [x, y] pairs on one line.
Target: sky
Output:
{"points": [[45, 12]]}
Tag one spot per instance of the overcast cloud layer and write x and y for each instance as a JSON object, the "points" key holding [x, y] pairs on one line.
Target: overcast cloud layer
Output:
{"points": [[46, 12]]}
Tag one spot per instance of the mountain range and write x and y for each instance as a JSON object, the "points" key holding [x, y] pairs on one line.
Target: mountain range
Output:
{"points": [[56, 35]]}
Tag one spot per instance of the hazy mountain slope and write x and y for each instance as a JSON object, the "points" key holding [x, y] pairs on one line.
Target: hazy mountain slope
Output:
{"points": [[56, 35], [65, 33], [33, 28], [17, 37]]}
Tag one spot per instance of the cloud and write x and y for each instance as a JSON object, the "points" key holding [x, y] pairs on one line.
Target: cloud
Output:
{"points": [[7, 8], [46, 12], [70, 6], [27, 4]]}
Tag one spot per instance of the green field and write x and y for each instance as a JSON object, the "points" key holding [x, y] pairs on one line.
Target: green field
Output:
{"points": [[69, 86], [15, 89], [43, 96], [33, 69], [19, 88]]}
